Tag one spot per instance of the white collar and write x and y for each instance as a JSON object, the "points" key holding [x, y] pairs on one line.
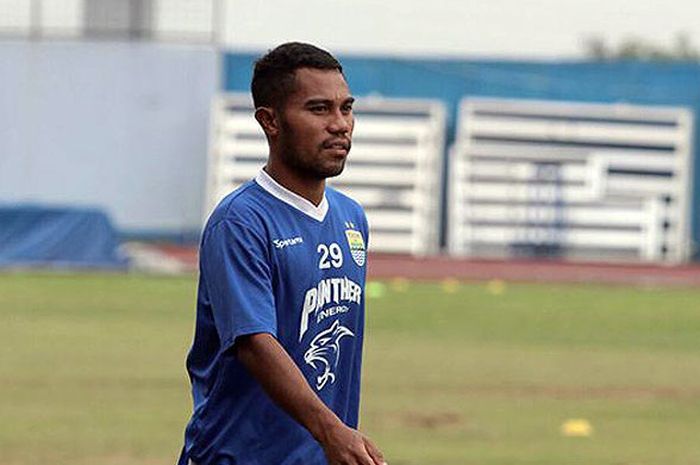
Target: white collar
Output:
{"points": [[265, 181]]}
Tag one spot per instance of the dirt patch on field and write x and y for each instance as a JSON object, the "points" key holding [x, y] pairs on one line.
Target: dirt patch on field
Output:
{"points": [[385, 266], [429, 420], [388, 266], [121, 459], [577, 392]]}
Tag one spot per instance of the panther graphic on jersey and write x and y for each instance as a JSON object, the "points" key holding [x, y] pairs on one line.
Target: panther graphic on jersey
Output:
{"points": [[325, 349]]}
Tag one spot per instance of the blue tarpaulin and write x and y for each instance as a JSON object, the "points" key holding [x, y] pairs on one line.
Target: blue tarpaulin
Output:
{"points": [[58, 237]]}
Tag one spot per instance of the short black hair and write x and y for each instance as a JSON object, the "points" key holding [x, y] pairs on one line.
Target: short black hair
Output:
{"points": [[273, 74]]}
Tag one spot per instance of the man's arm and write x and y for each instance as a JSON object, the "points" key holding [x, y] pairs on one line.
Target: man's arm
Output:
{"points": [[282, 380]]}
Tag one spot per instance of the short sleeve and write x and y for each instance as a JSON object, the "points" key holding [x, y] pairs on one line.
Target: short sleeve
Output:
{"points": [[236, 269], [365, 225]]}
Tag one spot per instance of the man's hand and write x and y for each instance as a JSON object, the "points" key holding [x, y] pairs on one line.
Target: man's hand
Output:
{"points": [[346, 446], [276, 372]]}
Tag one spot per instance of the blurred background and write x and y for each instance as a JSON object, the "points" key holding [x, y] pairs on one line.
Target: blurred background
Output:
{"points": [[528, 173]]}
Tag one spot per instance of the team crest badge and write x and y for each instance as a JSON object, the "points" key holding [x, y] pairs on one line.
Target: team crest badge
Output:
{"points": [[357, 246]]}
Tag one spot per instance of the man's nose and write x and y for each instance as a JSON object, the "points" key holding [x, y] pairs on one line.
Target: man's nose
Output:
{"points": [[340, 123]]}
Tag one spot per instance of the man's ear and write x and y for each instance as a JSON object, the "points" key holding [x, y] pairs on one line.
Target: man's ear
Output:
{"points": [[266, 117]]}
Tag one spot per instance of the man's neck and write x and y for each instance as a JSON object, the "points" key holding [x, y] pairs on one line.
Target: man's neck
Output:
{"points": [[310, 189]]}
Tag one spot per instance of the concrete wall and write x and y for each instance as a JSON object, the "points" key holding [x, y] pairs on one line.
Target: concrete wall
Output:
{"points": [[120, 126]]}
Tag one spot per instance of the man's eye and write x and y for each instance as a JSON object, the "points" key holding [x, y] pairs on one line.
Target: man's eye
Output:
{"points": [[318, 109], [347, 108]]}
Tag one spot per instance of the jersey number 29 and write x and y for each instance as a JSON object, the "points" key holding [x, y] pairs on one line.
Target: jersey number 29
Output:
{"points": [[330, 256]]}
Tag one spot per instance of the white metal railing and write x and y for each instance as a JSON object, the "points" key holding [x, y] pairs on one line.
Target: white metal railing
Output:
{"points": [[579, 180], [394, 169]]}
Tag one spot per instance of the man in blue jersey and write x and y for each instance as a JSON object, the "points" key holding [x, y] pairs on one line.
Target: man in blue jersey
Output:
{"points": [[275, 362]]}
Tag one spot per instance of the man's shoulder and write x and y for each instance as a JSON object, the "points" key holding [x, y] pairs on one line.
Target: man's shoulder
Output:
{"points": [[344, 201], [241, 206]]}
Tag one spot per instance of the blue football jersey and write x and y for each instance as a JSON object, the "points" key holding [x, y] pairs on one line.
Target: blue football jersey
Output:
{"points": [[271, 261]]}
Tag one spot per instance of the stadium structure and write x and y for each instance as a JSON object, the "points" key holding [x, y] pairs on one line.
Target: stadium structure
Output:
{"points": [[137, 112]]}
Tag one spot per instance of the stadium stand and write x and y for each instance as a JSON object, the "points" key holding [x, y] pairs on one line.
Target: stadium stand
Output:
{"points": [[585, 181], [394, 169]]}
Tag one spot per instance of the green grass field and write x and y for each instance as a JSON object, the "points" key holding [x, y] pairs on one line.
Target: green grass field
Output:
{"points": [[92, 372]]}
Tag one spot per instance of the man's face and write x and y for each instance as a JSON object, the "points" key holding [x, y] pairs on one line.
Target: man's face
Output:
{"points": [[316, 124]]}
